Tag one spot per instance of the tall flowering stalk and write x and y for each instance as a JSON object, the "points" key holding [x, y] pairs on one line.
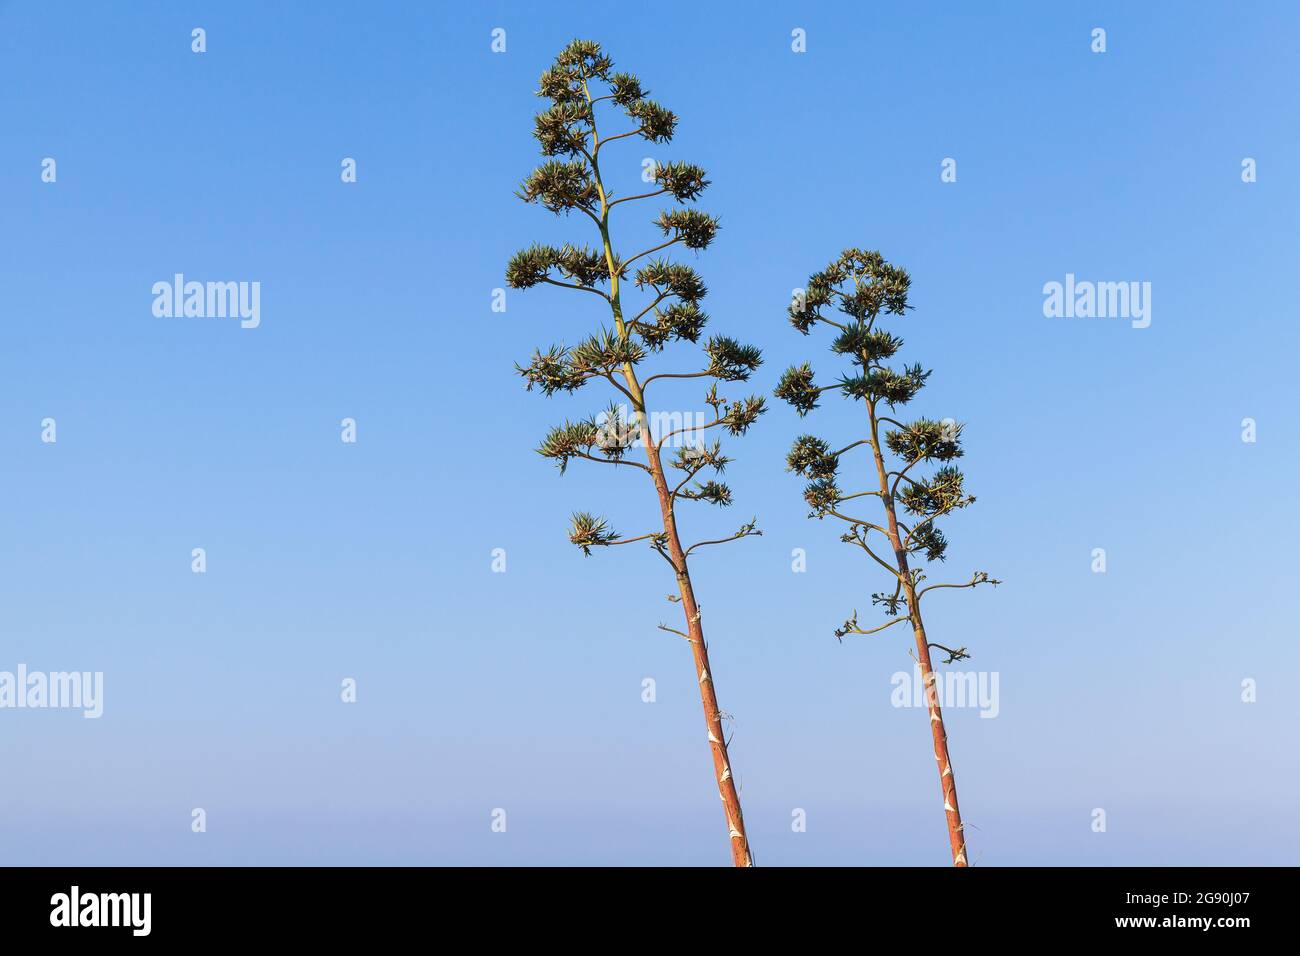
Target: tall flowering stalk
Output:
{"points": [[857, 289], [580, 85]]}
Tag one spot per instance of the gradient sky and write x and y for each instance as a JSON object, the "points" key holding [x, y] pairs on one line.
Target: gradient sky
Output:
{"points": [[522, 690]]}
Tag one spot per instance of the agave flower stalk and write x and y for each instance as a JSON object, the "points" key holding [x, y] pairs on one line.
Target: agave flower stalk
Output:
{"points": [[581, 85], [856, 290]]}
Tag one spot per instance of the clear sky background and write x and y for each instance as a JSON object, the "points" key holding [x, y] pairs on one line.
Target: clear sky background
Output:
{"points": [[522, 690]]}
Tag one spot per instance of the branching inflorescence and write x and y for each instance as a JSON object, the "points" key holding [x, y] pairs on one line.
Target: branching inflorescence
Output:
{"points": [[580, 85], [849, 296]]}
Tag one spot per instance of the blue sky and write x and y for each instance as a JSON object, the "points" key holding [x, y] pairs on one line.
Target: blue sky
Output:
{"points": [[522, 690]]}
